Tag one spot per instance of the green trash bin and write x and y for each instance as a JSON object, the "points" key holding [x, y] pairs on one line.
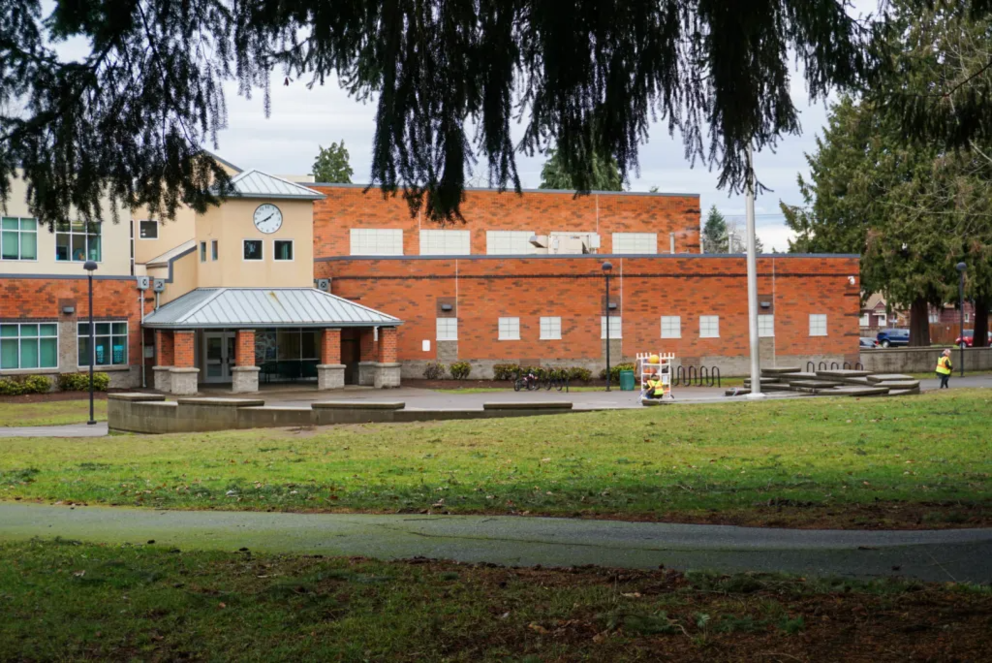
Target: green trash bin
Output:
{"points": [[626, 380]]}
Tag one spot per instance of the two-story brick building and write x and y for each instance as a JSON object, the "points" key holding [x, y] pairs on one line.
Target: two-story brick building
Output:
{"points": [[332, 283]]}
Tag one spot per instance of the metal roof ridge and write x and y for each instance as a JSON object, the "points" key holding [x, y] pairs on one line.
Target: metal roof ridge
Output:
{"points": [[361, 306], [206, 300]]}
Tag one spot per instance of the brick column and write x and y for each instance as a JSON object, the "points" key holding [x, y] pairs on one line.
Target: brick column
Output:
{"points": [[184, 372], [387, 371], [164, 358], [244, 374], [330, 370], [368, 357]]}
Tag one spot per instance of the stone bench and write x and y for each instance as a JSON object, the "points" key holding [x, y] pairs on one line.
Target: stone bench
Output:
{"points": [[529, 405], [358, 405]]}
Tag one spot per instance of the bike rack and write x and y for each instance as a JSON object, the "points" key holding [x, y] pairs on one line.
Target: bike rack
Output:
{"points": [[693, 375], [679, 376], [704, 375], [822, 366], [858, 366], [847, 366], [716, 373], [834, 366], [810, 367]]}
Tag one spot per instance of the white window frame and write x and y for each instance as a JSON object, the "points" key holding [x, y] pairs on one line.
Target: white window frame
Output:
{"points": [[261, 244], [111, 335], [445, 242], [20, 232], [673, 321], [635, 243], [763, 329], [866, 320], [446, 329], [376, 241], [551, 328], [292, 250], [815, 320], [17, 340], [72, 232], [709, 326], [158, 227], [967, 316], [616, 326], [508, 329], [509, 242], [934, 317]]}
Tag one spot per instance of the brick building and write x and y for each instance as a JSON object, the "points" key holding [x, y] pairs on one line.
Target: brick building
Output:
{"points": [[350, 288]]}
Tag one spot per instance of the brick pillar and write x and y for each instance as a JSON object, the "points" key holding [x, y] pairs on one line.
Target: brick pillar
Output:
{"points": [[387, 345], [368, 357], [387, 371], [164, 358], [330, 370], [244, 374], [244, 348], [184, 372]]}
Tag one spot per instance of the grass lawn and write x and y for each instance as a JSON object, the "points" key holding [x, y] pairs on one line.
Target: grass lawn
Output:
{"points": [[51, 413], [919, 461], [63, 600]]}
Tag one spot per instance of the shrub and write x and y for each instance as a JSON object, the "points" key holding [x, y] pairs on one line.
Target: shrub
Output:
{"points": [[81, 381], [31, 384], [615, 372], [505, 371], [11, 387], [579, 374], [434, 370], [460, 370]]}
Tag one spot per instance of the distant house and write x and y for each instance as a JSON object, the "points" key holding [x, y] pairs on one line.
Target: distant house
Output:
{"points": [[873, 313]]}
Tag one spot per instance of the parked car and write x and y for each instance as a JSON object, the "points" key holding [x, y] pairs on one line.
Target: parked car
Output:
{"points": [[868, 342], [969, 339], [893, 338]]}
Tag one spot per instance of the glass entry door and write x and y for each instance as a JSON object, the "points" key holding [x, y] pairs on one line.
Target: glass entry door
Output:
{"points": [[218, 356]]}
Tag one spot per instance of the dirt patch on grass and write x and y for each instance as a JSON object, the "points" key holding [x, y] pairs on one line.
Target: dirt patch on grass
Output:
{"points": [[54, 396]]}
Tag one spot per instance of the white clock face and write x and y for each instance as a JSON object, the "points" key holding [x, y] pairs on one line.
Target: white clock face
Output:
{"points": [[268, 218]]}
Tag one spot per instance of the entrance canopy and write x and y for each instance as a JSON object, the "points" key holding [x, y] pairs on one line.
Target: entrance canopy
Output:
{"points": [[249, 308]]}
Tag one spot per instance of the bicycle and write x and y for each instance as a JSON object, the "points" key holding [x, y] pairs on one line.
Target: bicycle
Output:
{"points": [[528, 382], [558, 382]]}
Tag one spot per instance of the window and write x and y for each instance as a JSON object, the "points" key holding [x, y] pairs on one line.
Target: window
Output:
{"points": [[110, 340], [551, 329], [34, 345], [766, 325], [148, 229], [615, 327], [445, 242], [635, 242], [253, 249], [509, 329], [213, 250], [967, 317], [447, 329], [671, 326], [934, 317], [78, 242], [283, 249], [817, 324], [203, 251], [866, 320], [508, 242], [18, 239], [709, 326], [376, 242]]}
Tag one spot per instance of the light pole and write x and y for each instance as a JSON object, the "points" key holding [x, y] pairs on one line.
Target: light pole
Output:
{"points": [[962, 268], [90, 267], [607, 267], [752, 285]]}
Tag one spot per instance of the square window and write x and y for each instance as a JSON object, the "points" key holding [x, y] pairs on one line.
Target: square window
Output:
{"points": [[18, 239], [376, 242], [709, 326], [615, 326], [817, 324], [252, 249], [551, 329], [283, 249], [445, 242], [110, 343], [447, 329], [766, 326], [509, 329], [78, 242], [508, 242], [213, 250], [640, 243], [148, 229], [671, 326]]}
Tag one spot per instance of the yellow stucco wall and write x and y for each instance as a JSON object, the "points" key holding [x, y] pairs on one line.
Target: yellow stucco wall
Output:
{"points": [[232, 223], [115, 239], [170, 234], [184, 275]]}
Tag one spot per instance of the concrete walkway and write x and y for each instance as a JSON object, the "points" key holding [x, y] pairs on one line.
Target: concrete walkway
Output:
{"points": [[99, 429], [958, 555]]}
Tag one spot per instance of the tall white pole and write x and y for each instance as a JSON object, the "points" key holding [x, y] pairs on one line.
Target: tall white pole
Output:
{"points": [[752, 284]]}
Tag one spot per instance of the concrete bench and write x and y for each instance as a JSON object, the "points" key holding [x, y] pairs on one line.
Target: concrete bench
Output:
{"points": [[222, 402], [358, 405], [135, 398], [529, 405]]}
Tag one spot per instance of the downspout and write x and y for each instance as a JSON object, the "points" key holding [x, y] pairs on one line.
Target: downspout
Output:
{"points": [[141, 330]]}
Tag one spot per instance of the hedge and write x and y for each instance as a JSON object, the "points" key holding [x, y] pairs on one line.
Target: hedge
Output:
{"points": [[615, 372], [510, 372], [29, 384], [81, 381], [460, 370]]}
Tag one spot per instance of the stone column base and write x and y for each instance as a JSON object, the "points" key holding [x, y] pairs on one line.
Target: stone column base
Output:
{"points": [[244, 379], [366, 373], [330, 376], [387, 376], [162, 379], [184, 380]]}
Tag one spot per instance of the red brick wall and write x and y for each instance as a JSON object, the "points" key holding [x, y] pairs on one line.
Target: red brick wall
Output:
{"points": [[330, 346], [573, 288], [345, 208], [244, 348], [367, 345], [164, 348], [184, 344], [25, 299], [387, 345]]}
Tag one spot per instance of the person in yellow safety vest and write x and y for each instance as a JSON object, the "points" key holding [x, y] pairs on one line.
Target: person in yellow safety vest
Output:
{"points": [[656, 388], [944, 369]]}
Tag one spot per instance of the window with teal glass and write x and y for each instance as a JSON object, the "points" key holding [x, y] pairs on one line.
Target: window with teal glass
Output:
{"points": [[29, 345], [78, 242], [109, 341], [18, 239]]}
